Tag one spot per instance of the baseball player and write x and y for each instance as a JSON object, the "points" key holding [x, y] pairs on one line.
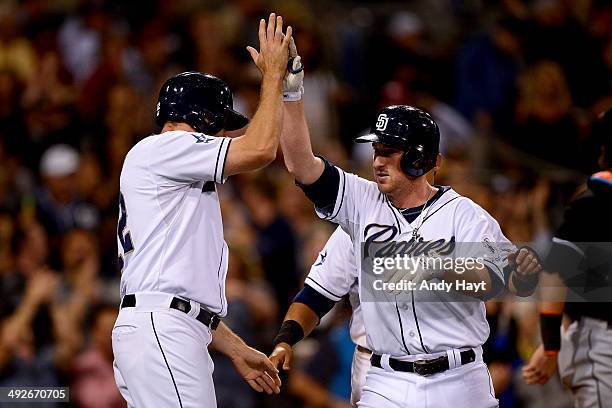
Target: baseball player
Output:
{"points": [[332, 276], [426, 345], [580, 260], [170, 235]]}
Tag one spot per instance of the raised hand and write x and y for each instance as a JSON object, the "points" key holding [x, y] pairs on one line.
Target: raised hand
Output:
{"points": [[273, 54]]}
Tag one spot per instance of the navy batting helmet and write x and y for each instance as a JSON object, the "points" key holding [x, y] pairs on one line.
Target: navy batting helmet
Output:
{"points": [[202, 101], [409, 129]]}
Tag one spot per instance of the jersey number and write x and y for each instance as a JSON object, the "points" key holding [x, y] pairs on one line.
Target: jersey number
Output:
{"points": [[124, 235]]}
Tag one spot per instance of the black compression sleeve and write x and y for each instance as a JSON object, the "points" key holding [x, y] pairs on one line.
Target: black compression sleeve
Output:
{"points": [[324, 191], [550, 325]]}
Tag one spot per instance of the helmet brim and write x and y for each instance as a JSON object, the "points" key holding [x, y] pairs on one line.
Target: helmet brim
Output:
{"points": [[369, 138], [235, 120]]}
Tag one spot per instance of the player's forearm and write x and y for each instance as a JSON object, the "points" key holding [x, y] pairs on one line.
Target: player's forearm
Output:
{"points": [[264, 130], [225, 341], [257, 148], [296, 146], [305, 316], [552, 292]]}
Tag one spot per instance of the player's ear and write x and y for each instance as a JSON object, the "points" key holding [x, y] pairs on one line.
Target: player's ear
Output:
{"points": [[438, 163]]}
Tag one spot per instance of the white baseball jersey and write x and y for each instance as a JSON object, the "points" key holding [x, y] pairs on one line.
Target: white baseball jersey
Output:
{"points": [[334, 274], [170, 233], [412, 326]]}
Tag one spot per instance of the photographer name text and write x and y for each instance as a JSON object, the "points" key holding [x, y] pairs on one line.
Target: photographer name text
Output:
{"points": [[406, 285]]}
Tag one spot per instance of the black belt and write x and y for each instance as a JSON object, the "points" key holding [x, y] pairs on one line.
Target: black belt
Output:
{"points": [[363, 349], [424, 367], [209, 319]]}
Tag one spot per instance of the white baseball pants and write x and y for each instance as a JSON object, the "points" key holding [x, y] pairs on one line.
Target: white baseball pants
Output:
{"points": [[161, 355], [359, 369], [467, 386]]}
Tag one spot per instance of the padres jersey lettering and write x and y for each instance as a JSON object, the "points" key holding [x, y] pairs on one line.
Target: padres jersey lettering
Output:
{"points": [[400, 328]]}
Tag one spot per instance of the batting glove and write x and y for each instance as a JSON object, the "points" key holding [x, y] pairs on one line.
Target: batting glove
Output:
{"points": [[293, 84]]}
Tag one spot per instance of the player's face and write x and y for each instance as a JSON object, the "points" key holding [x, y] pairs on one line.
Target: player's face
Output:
{"points": [[387, 171]]}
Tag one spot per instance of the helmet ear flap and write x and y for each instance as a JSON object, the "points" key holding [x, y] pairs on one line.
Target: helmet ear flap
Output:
{"points": [[214, 123], [414, 161], [207, 122]]}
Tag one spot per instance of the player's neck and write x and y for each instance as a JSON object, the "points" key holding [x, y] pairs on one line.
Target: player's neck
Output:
{"points": [[173, 126], [412, 194]]}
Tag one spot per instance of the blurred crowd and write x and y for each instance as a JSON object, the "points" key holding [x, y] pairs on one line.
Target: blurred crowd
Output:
{"points": [[514, 86]]}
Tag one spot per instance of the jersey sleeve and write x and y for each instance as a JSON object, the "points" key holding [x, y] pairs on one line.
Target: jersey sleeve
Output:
{"points": [[478, 235], [334, 271], [187, 157], [353, 193]]}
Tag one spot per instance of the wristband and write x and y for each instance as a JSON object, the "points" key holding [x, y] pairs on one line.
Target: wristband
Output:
{"points": [[292, 96], [290, 332], [550, 327], [524, 285]]}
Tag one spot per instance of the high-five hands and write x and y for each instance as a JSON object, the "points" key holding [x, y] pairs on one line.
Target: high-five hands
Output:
{"points": [[293, 84], [273, 54]]}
